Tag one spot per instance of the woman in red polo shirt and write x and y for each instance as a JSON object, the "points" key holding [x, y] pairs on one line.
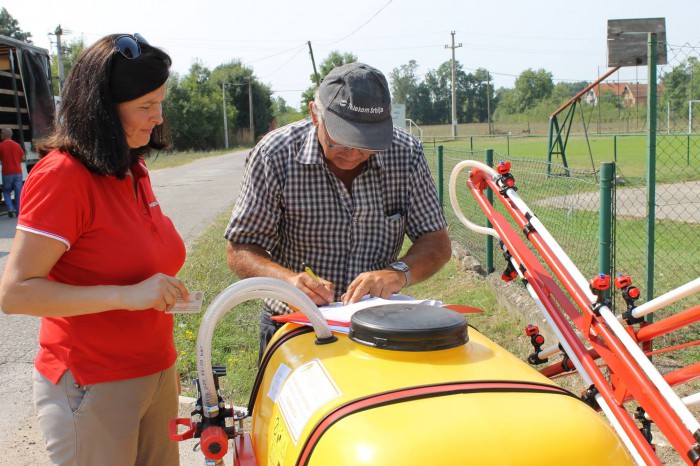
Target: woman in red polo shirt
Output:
{"points": [[95, 257]]}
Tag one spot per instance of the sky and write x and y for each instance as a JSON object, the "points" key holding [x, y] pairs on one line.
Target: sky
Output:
{"points": [[506, 37]]}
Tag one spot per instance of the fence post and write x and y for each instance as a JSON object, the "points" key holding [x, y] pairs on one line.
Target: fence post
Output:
{"points": [[615, 148], [440, 177], [651, 165], [489, 239], [607, 177]]}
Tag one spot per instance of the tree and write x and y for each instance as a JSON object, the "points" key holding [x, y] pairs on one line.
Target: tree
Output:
{"points": [[680, 85], [69, 54], [403, 82], [237, 76], [531, 87], [193, 110], [483, 95], [10, 27], [334, 59], [283, 113], [421, 105]]}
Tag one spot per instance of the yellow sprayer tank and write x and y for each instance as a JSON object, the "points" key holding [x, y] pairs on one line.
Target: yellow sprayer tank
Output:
{"points": [[409, 386]]}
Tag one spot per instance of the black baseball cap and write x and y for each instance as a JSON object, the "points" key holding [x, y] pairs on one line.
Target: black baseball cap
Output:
{"points": [[357, 107]]}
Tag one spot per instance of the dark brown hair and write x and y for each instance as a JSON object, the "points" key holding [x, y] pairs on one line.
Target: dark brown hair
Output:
{"points": [[88, 125]]}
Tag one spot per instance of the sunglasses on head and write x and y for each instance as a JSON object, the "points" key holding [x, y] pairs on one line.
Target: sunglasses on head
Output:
{"points": [[128, 45]]}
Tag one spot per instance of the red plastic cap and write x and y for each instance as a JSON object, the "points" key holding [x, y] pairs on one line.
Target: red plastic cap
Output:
{"points": [[214, 443], [633, 292], [601, 282], [622, 281], [503, 167]]}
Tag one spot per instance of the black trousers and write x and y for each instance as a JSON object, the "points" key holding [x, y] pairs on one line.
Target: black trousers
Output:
{"points": [[268, 327]]}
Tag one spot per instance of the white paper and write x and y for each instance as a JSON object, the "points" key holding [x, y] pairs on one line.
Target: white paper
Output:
{"points": [[193, 305], [339, 313]]}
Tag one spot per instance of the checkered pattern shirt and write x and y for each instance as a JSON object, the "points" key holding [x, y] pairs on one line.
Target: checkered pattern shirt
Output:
{"points": [[292, 205]]}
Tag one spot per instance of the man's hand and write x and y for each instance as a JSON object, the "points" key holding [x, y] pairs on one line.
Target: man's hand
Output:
{"points": [[378, 283], [319, 290]]}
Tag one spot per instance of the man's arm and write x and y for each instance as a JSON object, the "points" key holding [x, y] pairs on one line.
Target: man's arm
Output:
{"points": [[251, 260], [424, 258]]}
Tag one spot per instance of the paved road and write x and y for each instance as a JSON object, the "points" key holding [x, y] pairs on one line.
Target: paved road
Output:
{"points": [[192, 196], [678, 201]]}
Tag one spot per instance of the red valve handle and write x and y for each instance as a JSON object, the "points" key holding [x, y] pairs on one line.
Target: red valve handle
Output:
{"points": [[181, 421]]}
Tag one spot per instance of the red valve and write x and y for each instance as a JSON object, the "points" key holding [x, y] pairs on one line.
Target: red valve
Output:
{"points": [[633, 292], [600, 282], [531, 330], [622, 281], [214, 442], [503, 167]]}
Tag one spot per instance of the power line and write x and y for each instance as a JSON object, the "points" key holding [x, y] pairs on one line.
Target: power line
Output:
{"points": [[363, 24]]}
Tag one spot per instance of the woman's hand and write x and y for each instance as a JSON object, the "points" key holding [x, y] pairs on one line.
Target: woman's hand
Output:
{"points": [[159, 292]]}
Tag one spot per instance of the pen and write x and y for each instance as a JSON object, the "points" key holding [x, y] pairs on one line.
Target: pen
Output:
{"points": [[308, 270]]}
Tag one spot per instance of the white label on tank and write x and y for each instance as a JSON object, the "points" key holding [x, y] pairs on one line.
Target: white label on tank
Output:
{"points": [[305, 390], [280, 374]]}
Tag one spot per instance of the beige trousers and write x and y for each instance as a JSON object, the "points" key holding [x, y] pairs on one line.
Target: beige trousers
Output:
{"points": [[123, 423]]}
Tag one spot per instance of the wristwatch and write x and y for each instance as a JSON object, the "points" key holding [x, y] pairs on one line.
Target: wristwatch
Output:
{"points": [[402, 267]]}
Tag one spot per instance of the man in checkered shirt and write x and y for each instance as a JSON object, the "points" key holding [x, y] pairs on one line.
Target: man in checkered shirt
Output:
{"points": [[338, 192]]}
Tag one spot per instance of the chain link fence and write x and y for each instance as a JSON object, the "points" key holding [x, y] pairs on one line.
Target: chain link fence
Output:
{"points": [[665, 251], [567, 205]]}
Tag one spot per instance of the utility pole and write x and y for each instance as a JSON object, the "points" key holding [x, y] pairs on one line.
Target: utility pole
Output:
{"points": [[488, 101], [250, 107], [313, 62], [59, 58], [454, 95], [223, 94]]}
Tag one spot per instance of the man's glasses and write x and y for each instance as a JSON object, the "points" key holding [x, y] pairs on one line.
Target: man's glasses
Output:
{"points": [[340, 147], [128, 45]]}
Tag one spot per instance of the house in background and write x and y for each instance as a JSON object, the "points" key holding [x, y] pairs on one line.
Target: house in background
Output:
{"points": [[631, 94]]}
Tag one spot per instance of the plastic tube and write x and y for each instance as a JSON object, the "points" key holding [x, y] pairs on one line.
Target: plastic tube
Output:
{"points": [[245, 290], [455, 202], [667, 298]]}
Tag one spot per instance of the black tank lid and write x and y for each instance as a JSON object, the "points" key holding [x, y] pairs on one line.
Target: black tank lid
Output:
{"points": [[409, 327]]}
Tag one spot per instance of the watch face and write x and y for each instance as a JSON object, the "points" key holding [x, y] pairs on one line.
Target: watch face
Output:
{"points": [[399, 266]]}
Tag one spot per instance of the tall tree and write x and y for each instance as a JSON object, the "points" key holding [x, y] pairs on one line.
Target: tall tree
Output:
{"points": [[483, 95], [283, 113], [404, 82], [10, 27], [237, 76], [69, 54], [531, 87], [334, 59], [193, 110], [681, 84], [421, 105]]}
